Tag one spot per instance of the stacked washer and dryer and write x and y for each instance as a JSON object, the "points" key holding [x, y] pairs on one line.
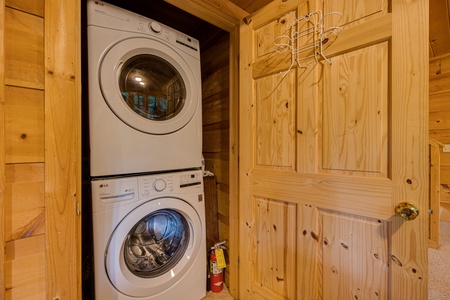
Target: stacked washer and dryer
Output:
{"points": [[145, 128]]}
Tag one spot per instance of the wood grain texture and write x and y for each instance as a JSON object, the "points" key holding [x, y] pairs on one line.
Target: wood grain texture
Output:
{"points": [[439, 27], [35, 7], [355, 113], [275, 121], [309, 252], [25, 261], [233, 177], [2, 149], [434, 198], [25, 201], [24, 125], [355, 258], [24, 49], [274, 257], [211, 209], [221, 13], [410, 73], [63, 152], [367, 85], [354, 12], [326, 191]]}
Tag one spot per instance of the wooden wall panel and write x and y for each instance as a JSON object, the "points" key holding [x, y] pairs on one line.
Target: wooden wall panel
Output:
{"points": [[24, 125], [439, 104], [35, 7], [217, 163], [216, 130], [2, 149], [439, 101], [24, 49], [439, 18], [25, 201], [435, 189], [355, 112], [25, 269], [438, 121], [216, 137]]}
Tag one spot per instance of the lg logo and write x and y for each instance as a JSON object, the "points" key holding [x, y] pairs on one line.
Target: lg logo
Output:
{"points": [[103, 185]]}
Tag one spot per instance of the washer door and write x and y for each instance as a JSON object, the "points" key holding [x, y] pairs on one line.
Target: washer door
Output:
{"points": [[153, 247], [148, 85]]}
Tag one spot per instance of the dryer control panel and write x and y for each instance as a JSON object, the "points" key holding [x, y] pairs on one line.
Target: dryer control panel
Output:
{"points": [[107, 15]]}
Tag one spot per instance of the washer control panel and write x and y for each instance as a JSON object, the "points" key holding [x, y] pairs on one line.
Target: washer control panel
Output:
{"points": [[173, 183], [125, 190]]}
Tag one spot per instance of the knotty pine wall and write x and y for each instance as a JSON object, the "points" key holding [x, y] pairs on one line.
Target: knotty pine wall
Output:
{"points": [[24, 224], [216, 124], [39, 171], [440, 122]]}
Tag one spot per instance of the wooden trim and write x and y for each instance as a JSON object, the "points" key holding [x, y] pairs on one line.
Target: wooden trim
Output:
{"points": [[2, 149], [410, 73], [228, 17], [434, 200], [221, 13], [234, 164], [245, 167], [63, 148]]}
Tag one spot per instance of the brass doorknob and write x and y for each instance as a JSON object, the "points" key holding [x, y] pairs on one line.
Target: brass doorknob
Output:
{"points": [[407, 211]]}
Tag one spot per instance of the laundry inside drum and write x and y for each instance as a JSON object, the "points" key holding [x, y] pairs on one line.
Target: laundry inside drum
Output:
{"points": [[156, 243]]}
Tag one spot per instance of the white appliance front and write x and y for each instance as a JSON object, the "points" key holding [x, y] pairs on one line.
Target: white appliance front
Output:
{"points": [[149, 237], [144, 94]]}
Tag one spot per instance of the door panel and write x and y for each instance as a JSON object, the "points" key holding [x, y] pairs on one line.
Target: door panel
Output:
{"points": [[355, 109], [355, 257], [328, 149], [275, 122], [275, 248]]}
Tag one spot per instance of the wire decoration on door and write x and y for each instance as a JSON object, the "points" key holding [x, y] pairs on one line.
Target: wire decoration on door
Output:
{"points": [[306, 39]]}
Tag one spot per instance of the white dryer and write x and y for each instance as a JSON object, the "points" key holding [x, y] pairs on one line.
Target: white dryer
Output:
{"points": [[149, 237], [145, 110]]}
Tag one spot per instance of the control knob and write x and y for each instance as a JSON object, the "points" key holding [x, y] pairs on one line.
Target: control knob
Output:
{"points": [[155, 27], [159, 185]]}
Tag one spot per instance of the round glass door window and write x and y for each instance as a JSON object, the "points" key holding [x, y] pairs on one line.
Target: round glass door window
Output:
{"points": [[156, 243], [152, 87]]}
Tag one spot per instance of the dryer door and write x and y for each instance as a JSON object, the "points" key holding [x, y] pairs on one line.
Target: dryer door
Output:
{"points": [[153, 247], [149, 86]]}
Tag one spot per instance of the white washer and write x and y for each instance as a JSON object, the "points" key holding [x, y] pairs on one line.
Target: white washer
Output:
{"points": [[149, 237], [145, 110]]}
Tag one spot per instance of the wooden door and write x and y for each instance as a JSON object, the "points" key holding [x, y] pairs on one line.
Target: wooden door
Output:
{"points": [[327, 150]]}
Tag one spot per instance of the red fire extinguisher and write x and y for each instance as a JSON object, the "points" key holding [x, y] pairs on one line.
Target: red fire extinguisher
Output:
{"points": [[216, 268], [216, 274]]}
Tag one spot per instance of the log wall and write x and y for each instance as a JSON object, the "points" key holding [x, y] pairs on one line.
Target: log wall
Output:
{"points": [[24, 197], [216, 125], [39, 171], [440, 122]]}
